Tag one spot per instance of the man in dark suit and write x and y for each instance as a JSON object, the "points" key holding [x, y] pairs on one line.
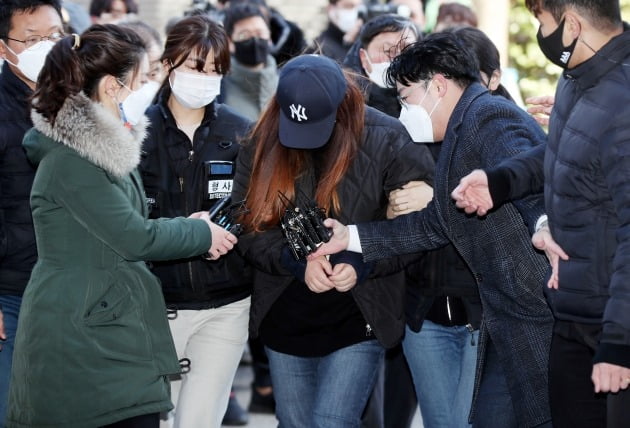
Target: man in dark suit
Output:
{"points": [[437, 81]]}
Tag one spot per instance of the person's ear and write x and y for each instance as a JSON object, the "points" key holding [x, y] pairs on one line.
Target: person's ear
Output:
{"points": [[108, 86], [572, 27], [363, 57], [441, 84], [3, 49], [495, 80], [166, 65]]}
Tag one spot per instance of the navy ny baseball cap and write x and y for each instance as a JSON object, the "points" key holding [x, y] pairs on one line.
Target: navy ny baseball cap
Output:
{"points": [[310, 89]]}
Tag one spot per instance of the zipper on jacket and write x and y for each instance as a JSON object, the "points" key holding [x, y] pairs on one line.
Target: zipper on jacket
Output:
{"points": [[471, 330], [368, 330], [181, 190], [448, 310], [190, 273], [191, 154]]}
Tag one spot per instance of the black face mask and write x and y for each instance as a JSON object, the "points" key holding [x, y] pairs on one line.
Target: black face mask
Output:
{"points": [[252, 51], [554, 49]]}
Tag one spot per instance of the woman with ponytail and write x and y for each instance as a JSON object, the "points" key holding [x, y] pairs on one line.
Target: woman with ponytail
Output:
{"points": [[93, 347], [324, 322]]}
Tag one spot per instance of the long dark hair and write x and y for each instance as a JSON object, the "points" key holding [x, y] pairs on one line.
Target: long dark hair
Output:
{"points": [[276, 168], [484, 50], [198, 34], [70, 69]]}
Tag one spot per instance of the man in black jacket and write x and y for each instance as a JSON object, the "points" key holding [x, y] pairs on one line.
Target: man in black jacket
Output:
{"points": [[343, 27], [584, 170], [28, 28]]}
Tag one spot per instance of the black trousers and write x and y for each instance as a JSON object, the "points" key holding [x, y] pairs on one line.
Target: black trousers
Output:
{"points": [[574, 403], [142, 421]]}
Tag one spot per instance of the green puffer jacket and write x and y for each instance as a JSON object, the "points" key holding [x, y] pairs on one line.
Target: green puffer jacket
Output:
{"points": [[93, 344]]}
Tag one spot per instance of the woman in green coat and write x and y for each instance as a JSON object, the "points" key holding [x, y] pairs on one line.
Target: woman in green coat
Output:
{"points": [[93, 346]]}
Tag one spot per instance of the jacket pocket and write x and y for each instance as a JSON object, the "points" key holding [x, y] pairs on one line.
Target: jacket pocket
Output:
{"points": [[115, 324]]}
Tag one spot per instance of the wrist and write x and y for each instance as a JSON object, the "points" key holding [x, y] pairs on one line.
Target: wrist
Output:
{"points": [[541, 223], [353, 242]]}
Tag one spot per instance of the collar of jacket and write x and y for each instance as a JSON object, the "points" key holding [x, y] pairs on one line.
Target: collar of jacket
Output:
{"points": [[95, 133], [613, 53], [280, 31], [11, 85], [334, 32], [259, 83], [472, 92], [209, 115]]}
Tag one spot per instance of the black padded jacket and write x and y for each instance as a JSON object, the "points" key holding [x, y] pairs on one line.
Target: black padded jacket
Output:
{"points": [[176, 182], [18, 251]]}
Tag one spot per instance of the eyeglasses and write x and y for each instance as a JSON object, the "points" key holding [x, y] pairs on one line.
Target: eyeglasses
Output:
{"points": [[246, 35], [31, 41], [393, 50], [402, 100]]}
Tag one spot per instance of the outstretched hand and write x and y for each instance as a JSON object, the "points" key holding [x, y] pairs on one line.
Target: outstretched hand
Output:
{"points": [[222, 240], [610, 377], [541, 108], [544, 241], [338, 242], [473, 194], [413, 196]]}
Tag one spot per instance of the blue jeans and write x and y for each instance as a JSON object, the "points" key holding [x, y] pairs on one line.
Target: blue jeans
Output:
{"points": [[442, 361], [10, 312], [324, 392]]}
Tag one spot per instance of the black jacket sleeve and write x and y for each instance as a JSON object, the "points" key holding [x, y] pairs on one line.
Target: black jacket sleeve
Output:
{"points": [[516, 177]]}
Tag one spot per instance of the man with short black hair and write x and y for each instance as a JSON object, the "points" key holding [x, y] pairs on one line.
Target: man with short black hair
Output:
{"points": [[442, 100], [28, 29], [253, 76], [584, 169]]}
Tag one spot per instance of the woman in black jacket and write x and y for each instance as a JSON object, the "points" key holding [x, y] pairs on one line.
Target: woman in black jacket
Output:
{"points": [[188, 164], [316, 140]]}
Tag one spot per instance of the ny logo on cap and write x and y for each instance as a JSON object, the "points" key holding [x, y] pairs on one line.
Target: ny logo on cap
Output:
{"points": [[298, 112]]}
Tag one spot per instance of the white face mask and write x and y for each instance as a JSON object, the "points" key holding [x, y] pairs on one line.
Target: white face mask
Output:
{"points": [[133, 107], [379, 70], [346, 19], [31, 60], [195, 91], [417, 121]]}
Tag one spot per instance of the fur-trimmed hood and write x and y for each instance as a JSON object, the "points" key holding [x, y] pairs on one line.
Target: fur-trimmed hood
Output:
{"points": [[97, 135]]}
